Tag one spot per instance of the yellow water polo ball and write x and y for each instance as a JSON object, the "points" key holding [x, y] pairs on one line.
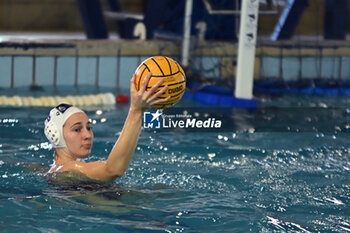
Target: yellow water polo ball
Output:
{"points": [[170, 71]]}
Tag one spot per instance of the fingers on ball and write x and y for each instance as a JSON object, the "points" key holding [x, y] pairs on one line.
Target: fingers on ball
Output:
{"points": [[158, 93], [145, 82], [153, 88], [132, 83], [158, 101]]}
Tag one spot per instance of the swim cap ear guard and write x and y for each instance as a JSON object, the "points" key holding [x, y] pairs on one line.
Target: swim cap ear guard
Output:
{"points": [[55, 121]]}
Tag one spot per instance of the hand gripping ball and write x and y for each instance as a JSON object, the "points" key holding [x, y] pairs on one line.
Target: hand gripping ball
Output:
{"points": [[167, 69]]}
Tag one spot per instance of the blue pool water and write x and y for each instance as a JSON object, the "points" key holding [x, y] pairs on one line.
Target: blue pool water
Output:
{"points": [[182, 181]]}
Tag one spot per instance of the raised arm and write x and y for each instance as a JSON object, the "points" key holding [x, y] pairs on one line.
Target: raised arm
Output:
{"points": [[122, 152]]}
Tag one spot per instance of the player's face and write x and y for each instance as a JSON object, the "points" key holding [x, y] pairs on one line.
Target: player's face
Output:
{"points": [[77, 132]]}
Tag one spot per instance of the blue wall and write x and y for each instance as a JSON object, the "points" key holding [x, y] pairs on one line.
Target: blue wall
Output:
{"points": [[307, 67], [111, 71]]}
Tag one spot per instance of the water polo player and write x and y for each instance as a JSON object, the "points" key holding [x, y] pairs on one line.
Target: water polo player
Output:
{"points": [[70, 132]]}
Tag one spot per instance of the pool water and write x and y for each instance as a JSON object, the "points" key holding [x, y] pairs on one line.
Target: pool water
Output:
{"points": [[181, 181]]}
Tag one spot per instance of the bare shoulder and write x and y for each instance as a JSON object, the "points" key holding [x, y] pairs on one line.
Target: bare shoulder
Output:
{"points": [[74, 165], [94, 170], [74, 171]]}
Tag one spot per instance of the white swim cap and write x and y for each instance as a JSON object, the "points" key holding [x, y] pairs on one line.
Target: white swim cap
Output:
{"points": [[55, 121]]}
